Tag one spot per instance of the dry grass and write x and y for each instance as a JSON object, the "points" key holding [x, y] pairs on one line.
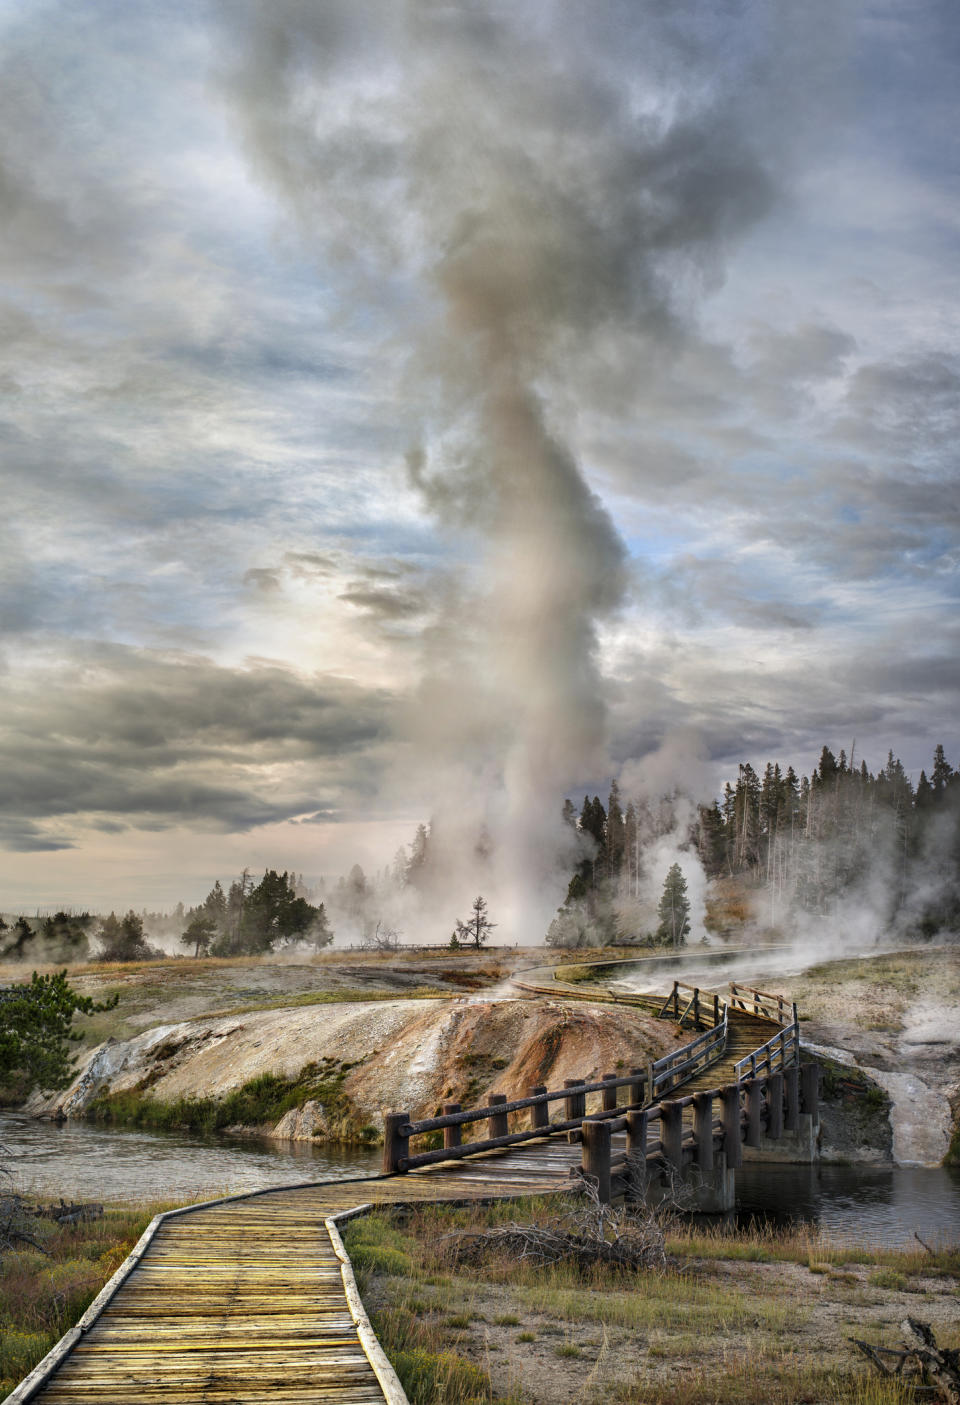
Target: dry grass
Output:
{"points": [[43, 1293], [759, 1316]]}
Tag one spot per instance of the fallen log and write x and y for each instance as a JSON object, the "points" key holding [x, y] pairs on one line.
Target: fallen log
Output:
{"points": [[69, 1214]]}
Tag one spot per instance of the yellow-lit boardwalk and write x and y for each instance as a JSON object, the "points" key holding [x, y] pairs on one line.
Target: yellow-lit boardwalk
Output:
{"points": [[244, 1301]]}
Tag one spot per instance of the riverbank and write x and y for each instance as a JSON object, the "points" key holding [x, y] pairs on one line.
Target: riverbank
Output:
{"points": [[748, 1317]]}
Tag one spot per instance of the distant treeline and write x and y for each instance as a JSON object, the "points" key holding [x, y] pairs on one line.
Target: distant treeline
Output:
{"points": [[805, 841]]}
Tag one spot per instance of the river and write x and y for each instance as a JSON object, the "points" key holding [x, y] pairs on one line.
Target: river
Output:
{"points": [[850, 1204], [84, 1162]]}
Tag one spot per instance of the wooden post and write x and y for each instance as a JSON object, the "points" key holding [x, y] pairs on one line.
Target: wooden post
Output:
{"points": [[671, 1133], [596, 1157], [609, 1103], [540, 1112], [754, 1112], [732, 1145], [575, 1105], [676, 1000], [775, 1104], [451, 1135], [396, 1148], [696, 1008], [637, 1123], [635, 1090], [637, 1177], [791, 1088], [810, 1088], [703, 1129], [497, 1120], [716, 1011]]}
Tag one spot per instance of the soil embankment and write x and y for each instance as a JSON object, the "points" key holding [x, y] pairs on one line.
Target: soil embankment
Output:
{"points": [[342, 1065]]}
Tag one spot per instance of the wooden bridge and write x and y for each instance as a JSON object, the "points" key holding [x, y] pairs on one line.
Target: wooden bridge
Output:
{"points": [[252, 1297]]}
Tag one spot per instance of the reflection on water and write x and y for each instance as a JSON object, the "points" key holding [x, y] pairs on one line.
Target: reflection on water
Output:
{"points": [[856, 1204], [82, 1162]]}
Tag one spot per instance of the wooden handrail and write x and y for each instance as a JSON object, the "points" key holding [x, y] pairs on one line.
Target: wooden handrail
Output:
{"points": [[786, 1043], [750, 1111], [645, 1085], [649, 1088]]}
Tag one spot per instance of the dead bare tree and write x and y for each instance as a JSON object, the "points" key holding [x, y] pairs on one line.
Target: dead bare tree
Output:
{"points": [[921, 1361], [584, 1232]]}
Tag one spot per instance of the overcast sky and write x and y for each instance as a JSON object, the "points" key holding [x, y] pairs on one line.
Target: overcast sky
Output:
{"points": [[406, 403]]}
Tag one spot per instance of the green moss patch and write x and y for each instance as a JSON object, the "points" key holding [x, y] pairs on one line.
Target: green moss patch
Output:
{"points": [[261, 1101]]}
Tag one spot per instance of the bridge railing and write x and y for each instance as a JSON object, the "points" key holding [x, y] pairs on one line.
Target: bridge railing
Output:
{"points": [[762, 1004], [778, 1053], [694, 1006], [644, 1085], [659, 1140]]}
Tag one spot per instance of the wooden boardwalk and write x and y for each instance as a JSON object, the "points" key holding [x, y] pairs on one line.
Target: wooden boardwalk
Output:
{"points": [[244, 1301], [252, 1298]]}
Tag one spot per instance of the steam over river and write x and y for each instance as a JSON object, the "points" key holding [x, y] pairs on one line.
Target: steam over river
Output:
{"points": [[851, 1204]]}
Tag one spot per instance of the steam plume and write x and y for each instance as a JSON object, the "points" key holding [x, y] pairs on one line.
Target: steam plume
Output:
{"points": [[536, 193]]}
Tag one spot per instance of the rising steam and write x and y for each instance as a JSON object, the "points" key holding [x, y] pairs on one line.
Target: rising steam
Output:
{"points": [[534, 195]]}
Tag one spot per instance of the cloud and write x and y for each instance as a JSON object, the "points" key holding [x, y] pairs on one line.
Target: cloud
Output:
{"points": [[148, 739], [404, 401]]}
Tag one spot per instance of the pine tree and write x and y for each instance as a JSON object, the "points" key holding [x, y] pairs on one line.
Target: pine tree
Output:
{"points": [[941, 774], [674, 909], [477, 928], [615, 835]]}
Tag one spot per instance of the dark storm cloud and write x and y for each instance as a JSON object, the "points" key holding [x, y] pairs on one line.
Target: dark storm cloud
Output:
{"points": [[161, 741]]}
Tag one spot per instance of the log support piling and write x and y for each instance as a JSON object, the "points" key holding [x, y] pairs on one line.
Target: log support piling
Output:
{"points": [[396, 1148]]}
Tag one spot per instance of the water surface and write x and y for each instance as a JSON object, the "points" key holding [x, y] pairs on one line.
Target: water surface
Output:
{"points": [[84, 1162], [869, 1205]]}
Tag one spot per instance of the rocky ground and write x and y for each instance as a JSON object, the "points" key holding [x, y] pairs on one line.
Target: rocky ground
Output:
{"points": [[893, 1018]]}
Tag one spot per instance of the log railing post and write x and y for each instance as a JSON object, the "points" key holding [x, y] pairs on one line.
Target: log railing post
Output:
{"points": [[703, 1129], [671, 1133], [595, 1159], [775, 1104], [635, 1089], [716, 1010], [609, 1103], [676, 1000], [396, 1148], [791, 1088], [754, 1112], [540, 1112], [732, 1144], [637, 1124], [696, 1008], [575, 1104], [810, 1088], [451, 1135], [497, 1121]]}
